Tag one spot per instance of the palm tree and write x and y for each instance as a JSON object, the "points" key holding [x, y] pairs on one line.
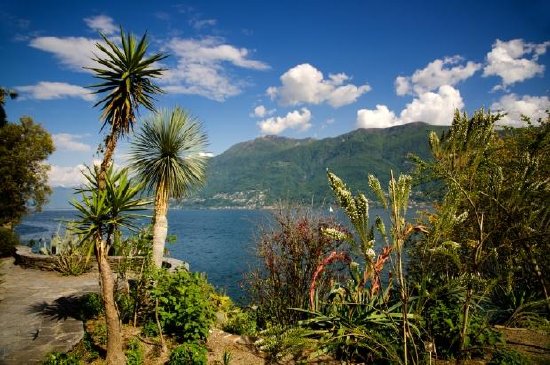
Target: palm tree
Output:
{"points": [[126, 75], [168, 155]]}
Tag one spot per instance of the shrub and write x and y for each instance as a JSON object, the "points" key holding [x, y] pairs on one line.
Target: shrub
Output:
{"points": [[504, 356], [240, 322], [189, 353], [61, 358], [134, 353], [8, 241], [289, 252], [184, 307], [91, 306]]}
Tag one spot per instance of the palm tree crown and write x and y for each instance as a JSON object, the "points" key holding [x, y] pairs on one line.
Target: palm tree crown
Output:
{"points": [[168, 152], [126, 80]]}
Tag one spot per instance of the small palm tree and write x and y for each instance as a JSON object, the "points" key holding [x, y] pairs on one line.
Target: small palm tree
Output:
{"points": [[168, 155]]}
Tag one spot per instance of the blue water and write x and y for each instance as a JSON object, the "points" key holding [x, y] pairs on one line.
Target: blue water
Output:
{"points": [[216, 242], [219, 243]]}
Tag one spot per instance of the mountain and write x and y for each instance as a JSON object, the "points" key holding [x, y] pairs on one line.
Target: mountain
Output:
{"points": [[268, 169]]}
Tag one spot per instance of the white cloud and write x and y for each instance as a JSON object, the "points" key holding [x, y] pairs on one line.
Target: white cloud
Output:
{"points": [[306, 84], [101, 23], [430, 107], [70, 142], [448, 71], [260, 112], [199, 24], [297, 119], [200, 67], [46, 90], [533, 107], [402, 85], [433, 108], [381, 117], [73, 52], [66, 176], [514, 61]]}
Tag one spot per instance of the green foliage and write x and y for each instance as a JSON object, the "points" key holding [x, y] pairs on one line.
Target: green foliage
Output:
{"points": [[24, 147], [289, 252], [279, 342], [241, 322], [61, 358], [189, 353], [8, 240], [134, 353], [486, 229], [443, 321], [90, 306], [102, 213], [150, 329], [168, 152], [125, 79], [126, 304], [71, 257], [184, 308], [505, 356], [358, 320]]}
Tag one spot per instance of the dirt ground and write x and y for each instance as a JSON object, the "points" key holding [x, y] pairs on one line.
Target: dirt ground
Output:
{"points": [[241, 351]]}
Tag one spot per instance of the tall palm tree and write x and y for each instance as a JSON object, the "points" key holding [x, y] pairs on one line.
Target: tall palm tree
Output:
{"points": [[168, 155], [125, 75]]}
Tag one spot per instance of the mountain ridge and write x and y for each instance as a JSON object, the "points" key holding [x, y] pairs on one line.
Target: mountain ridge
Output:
{"points": [[268, 169]]}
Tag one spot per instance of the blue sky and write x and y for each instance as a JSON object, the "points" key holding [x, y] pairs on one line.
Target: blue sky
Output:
{"points": [[293, 68]]}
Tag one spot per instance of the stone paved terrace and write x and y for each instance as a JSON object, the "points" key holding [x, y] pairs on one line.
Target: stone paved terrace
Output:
{"points": [[34, 319]]}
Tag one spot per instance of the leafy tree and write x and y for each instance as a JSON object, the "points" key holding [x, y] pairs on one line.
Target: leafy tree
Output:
{"points": [[168, 155], [23, 173], [126, 75], [3, 94]]}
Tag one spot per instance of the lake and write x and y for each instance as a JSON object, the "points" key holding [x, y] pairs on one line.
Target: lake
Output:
{"points": [[216, 242], [219, 243]]}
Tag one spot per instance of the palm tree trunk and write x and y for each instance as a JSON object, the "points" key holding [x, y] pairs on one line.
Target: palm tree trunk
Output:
{"points": [[160, 225], [115, 355]]}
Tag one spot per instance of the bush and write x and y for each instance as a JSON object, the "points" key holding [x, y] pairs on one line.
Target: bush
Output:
{"points": [[91, 306], [289, 252], [240, 322], [184, 306], [189, 353], [505, 356], [8, 241], [134, 353], [60, 358]]}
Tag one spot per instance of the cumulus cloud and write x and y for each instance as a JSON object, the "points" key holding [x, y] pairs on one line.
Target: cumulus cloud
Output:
{"points": [[514, 61], [66, 176], [261, 111], [101, 23], [46, 90], [304, 84], [70, 142], [448, 71], [73, 52], [381, 117], [514, 106], [430, 107], [297, 119], [200, 67]]}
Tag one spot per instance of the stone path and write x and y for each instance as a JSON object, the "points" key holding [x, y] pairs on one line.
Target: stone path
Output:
{"points": [[35, 312]]}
